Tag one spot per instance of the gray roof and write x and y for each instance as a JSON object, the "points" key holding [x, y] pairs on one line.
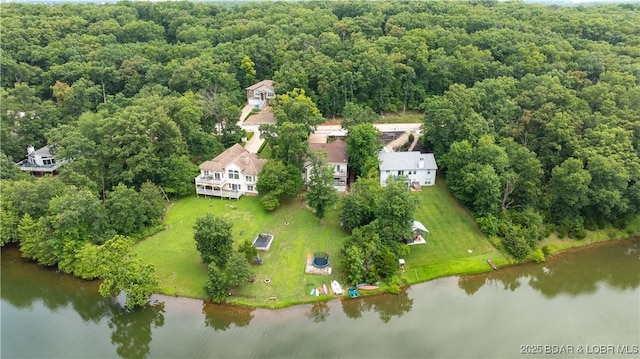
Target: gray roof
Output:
{"points": [[402, 161], [43, 151]]}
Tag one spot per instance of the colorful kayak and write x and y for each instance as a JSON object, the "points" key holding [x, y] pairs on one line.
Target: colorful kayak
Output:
{"points": [[313, 292], [367, 287], [317, 292], [324, 289]]}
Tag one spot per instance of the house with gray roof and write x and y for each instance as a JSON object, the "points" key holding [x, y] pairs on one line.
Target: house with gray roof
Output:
{"points": [[418, 169], [39, 161], [231, 174]]}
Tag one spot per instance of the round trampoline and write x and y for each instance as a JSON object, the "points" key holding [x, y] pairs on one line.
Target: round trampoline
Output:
{"points": [[320, 260]]}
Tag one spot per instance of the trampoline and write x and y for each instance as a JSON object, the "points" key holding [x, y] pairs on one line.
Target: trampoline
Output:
{"points": [[320, 260], [263, 241]]}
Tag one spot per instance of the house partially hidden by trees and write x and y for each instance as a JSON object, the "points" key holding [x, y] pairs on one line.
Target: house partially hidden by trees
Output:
{"points": [[39, 161], [418, 169], [231, 174], [259, 94], [337, 158]]}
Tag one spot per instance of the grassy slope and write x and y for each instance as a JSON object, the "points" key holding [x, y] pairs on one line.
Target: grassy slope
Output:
{"points": [[177, 262], [452, 233], [173, 252]]}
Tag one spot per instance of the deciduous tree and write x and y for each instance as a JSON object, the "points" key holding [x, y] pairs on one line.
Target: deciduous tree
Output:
{"points": [[213, 239], [320, 191]]}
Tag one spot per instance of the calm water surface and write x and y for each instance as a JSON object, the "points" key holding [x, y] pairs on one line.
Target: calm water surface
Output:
{"points": [[586, 303]]}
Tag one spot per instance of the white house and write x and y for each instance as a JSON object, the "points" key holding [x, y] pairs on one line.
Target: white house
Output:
{"points": [[259, 94], [337, 158], [419, 169], [231, 174], [39, 161]]}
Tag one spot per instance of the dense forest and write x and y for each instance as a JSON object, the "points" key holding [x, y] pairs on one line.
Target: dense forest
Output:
{"points": [[532, 111]]}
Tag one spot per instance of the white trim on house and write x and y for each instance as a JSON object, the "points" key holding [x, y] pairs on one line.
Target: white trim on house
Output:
{"points": [[418, 168], [39, 161], [231, 174], [259, 94]]}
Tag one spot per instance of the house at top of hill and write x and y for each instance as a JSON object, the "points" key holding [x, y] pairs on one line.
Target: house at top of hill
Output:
{"points": [[231, 174], [259, 94], [418, 169], [39, 161], [337, 158]]}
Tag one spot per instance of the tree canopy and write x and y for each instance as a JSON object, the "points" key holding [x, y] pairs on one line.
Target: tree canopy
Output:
{"points": [[531, 110]]}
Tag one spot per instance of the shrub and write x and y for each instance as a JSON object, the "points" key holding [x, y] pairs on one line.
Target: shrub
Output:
{"points": [[270, 201], [549, 249], [516, 243], [538, 255], [488, 224], [248, 250]]}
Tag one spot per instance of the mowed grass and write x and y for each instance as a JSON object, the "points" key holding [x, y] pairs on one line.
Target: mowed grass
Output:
{"points": [[297, 233], [455, 246]]}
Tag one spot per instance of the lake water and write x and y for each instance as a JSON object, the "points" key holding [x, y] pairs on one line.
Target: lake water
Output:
{"points": [[585, 303]]}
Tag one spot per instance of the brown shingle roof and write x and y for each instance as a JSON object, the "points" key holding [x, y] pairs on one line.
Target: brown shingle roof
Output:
{"points": [[336, 150], [268, 83], [238, 155]]}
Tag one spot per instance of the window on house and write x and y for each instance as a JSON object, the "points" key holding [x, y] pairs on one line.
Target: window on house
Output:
{"points": [[234, 174], [400, 173], [235, 187], [248, 178], [250, 188], [428, 172], [427, 182]]}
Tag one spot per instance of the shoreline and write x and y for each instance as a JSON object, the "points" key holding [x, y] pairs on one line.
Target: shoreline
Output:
{"points": [[385, 288]]}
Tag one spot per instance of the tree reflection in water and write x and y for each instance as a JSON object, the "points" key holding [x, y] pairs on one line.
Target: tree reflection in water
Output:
{"points": [[132, 328], [576, 272], [222, 316], [318, 312], [386, 305]]}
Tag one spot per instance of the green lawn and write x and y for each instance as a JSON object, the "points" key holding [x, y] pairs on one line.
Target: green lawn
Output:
{"points": [[454, 245], [298, 233], [177, 261]]}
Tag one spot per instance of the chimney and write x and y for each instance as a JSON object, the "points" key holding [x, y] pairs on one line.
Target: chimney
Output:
{"points": [[30, 150], [421, 163], [246, 160]]}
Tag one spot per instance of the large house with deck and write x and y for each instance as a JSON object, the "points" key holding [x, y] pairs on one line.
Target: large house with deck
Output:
{"points": [[418, 169], [337, 158], [231, 174], [259, 94], [39, 161]]}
